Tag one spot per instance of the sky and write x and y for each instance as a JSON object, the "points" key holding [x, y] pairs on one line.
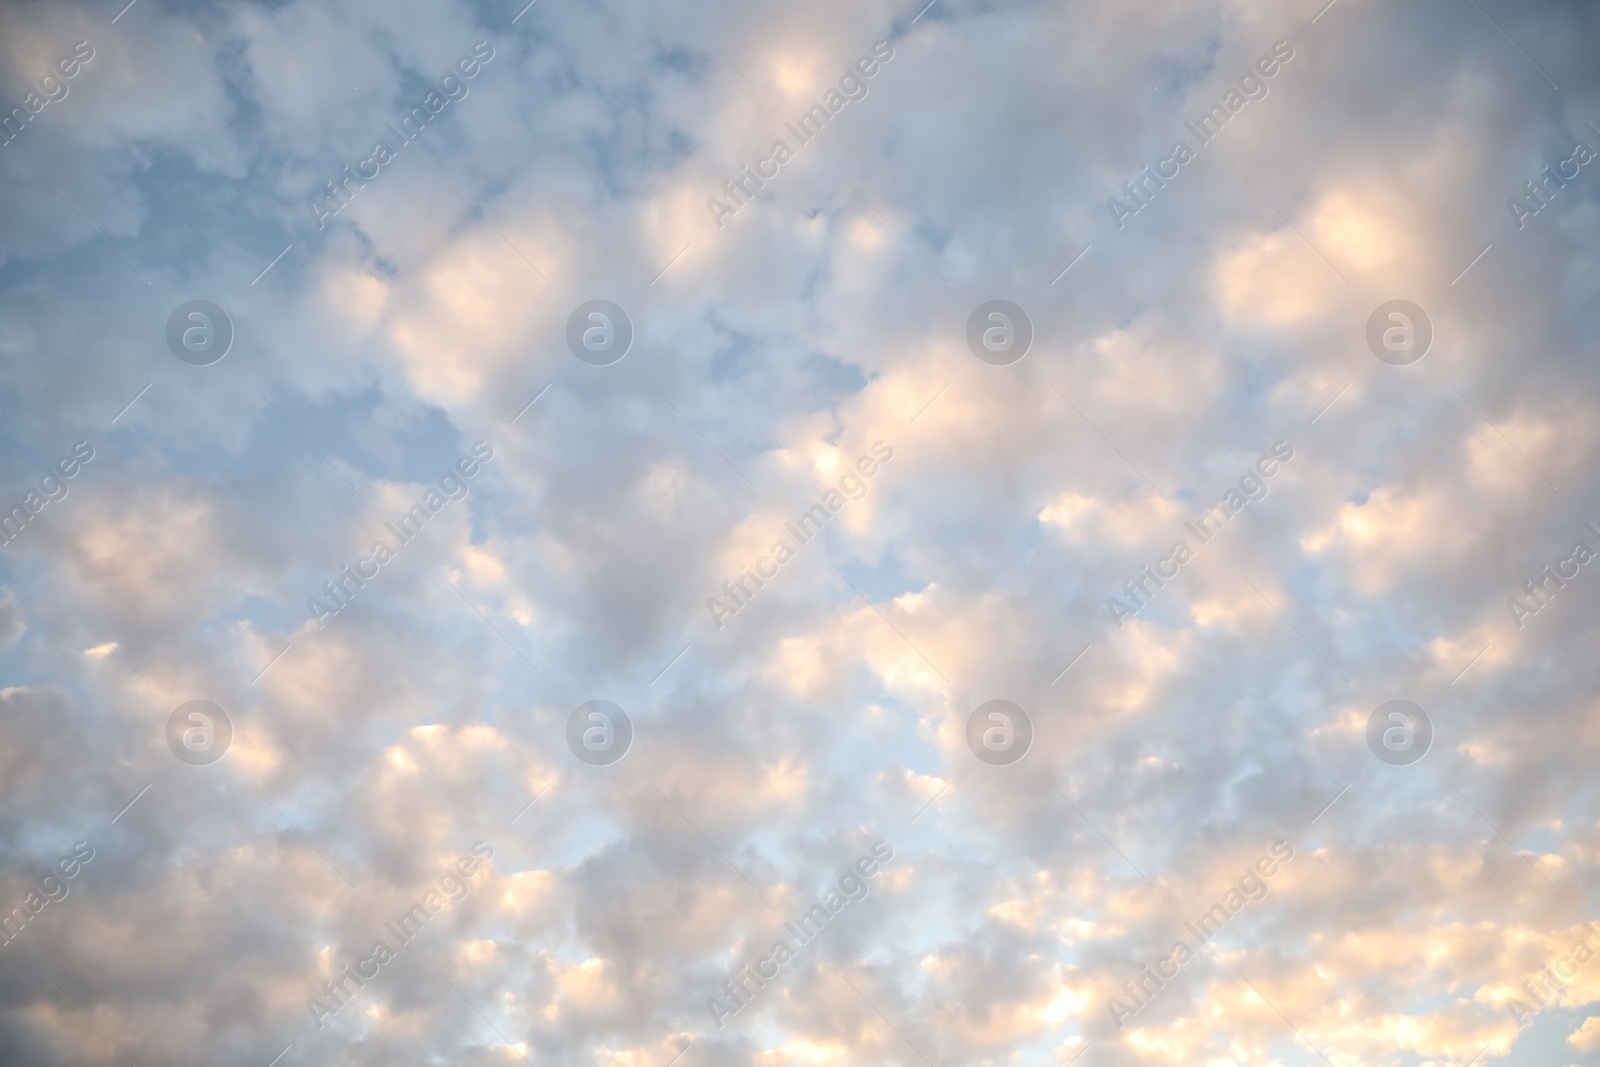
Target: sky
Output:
{"points": [[713, 534]]}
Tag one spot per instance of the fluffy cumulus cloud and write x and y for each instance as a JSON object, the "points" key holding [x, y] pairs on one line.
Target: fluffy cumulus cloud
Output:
{"points": [[348, 542]]}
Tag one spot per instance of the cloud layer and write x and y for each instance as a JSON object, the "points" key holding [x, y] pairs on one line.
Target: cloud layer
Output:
{"points": [[419, 514]]}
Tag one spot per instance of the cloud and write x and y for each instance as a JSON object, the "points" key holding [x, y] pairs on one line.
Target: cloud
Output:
{"points": [[431, 712]]}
